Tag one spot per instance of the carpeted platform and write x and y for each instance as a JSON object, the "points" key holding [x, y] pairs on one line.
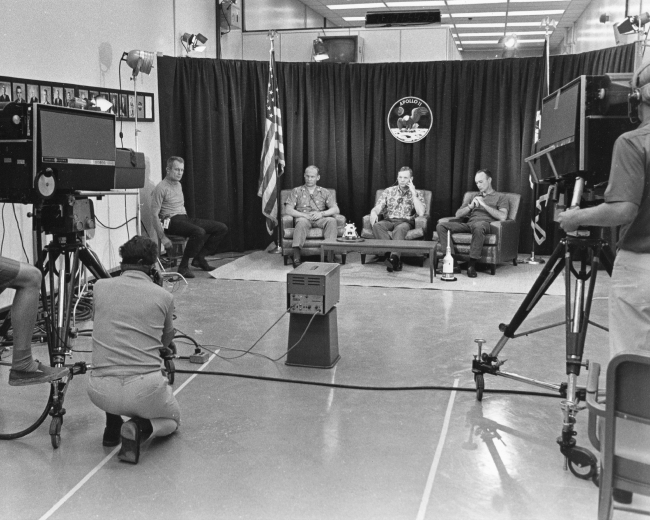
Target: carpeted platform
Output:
{"points": [[265, 267]]}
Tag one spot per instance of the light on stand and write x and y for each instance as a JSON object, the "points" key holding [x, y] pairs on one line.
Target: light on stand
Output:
{"points": [[139, 61], [193, 42]]}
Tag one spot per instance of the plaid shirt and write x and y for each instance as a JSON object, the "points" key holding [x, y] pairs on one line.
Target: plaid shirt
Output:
{"points": [[394, 204], [305, 202]]}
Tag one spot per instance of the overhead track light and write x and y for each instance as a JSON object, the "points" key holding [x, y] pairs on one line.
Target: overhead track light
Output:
{"points": [[193, 42], [633, 24]]}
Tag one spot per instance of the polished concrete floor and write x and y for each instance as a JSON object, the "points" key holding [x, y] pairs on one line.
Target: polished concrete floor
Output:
{"points": [[258, 449]]}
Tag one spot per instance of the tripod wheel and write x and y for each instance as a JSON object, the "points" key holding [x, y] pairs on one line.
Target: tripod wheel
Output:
{"points": [[55, 431], [480, 386], [582, 463]]}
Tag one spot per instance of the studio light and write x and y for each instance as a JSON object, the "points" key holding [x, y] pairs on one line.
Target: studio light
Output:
{"points": [[319, 51], [509, 41], [633, 24], [140, 61], [193, 42]]}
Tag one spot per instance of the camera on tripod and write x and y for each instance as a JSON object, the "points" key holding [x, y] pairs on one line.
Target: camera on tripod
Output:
{"points": [[49, 153], [579, 124]]}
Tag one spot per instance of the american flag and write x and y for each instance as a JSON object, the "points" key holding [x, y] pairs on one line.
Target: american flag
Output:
{"points": [[272, 161]]}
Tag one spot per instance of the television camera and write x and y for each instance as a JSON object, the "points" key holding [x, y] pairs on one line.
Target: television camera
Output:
{"points": [[580, 123], [51, 157]]}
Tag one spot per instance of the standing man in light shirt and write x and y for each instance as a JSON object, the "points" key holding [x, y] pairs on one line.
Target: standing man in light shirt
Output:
{"points": [[168, 209]]}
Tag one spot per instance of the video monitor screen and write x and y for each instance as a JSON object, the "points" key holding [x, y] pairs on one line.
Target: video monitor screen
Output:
{"points": [[76, 136], [560, 115]]}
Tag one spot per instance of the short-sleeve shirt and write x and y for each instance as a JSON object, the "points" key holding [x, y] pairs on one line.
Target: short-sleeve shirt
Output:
{"points": [[494, 200], [306, 202], [131, 316], [629, 181], [168, 196], [396, 204]]}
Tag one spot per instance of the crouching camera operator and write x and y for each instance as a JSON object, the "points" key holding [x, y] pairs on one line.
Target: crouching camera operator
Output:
{"points": [[627, 204], [132, 322]]}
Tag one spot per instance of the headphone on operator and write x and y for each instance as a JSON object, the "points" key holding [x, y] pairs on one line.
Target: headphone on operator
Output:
{"points": [[133, 254], [639, 94], [149, 270]]}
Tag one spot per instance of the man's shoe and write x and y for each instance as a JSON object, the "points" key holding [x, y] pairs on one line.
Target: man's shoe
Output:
{"points": [[471, 271], [185, 272], [202, 263], [296, 262], [111, 437], [388, 262], [130, 437], [43, 374], [398, 266]]}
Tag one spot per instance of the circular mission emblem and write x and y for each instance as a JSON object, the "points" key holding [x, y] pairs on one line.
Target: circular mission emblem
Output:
{"points": [[409, 120]]}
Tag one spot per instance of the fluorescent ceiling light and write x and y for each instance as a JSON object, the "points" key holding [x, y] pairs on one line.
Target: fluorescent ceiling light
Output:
{"points": [[419, 3], [479, 42], [536, 13], [493, 33], [540, 40], [354, 18], [477, 15], [476, 25], [357, 6], [523, 24]]}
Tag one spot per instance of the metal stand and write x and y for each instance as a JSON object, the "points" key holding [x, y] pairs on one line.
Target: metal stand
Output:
{"points": [[59, 262], [580, 461]]}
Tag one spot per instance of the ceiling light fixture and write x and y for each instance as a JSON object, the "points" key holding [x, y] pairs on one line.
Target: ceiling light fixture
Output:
{"points": [[633, 24]]}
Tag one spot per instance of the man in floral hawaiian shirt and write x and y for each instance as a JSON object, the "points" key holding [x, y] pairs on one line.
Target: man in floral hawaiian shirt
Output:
{"points": [[311, 206], [399, 205]]}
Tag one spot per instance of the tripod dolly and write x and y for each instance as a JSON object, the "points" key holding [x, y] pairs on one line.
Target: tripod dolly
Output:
{"points": [[591, 252]]}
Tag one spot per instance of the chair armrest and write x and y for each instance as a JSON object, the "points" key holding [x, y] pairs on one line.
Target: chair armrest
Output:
{"points": [[287, 222], [507, 232], [422, 222], [341, 221], [596, 409], [451, 219]]}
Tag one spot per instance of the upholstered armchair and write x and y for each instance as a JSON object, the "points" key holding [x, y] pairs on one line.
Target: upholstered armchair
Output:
{"points": [[315, 235], [500, 245], [422, 224]]}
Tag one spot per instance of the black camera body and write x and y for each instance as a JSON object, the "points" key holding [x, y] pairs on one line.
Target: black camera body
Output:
{"points": [[48, 149], [579, 124]]}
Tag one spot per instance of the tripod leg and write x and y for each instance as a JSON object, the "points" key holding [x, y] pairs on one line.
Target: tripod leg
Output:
{"points": [[546, 277], [90, 260]]}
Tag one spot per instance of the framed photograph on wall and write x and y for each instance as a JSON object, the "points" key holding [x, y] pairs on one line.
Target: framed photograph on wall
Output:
{"points": [[113, 99], [69, 96], [57, 95], [19, 93], [140, 106], [124, 111], [5, 92], [32, 93], [46, 94], [132, 106]]}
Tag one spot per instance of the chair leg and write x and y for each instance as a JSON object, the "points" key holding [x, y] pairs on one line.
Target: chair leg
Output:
{"points": [[343, 257], [514, 262], [421, 261], [286, 260], [493, 269], [363, 259]]}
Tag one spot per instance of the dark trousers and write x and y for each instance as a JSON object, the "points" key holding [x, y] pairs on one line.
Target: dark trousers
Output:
{"points": [[399, 227], [477, 229], [204, 235]]}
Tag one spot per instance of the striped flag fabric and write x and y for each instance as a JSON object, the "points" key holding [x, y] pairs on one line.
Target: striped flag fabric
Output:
{"points": [[272, 160]]}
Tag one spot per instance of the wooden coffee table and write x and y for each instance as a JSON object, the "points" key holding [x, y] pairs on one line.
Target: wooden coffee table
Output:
{"points": [[371, 246]]}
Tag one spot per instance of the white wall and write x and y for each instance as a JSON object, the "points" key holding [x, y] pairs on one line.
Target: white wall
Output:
{"points": [[81, 42], [380, 45], [262, 15]]}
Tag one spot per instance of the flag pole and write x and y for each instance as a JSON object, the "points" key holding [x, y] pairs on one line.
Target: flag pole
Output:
{"points": [[547, 23]]}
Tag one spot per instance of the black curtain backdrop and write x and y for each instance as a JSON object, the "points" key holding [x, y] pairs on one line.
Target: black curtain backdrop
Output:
{"points": [[334, 116]]}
